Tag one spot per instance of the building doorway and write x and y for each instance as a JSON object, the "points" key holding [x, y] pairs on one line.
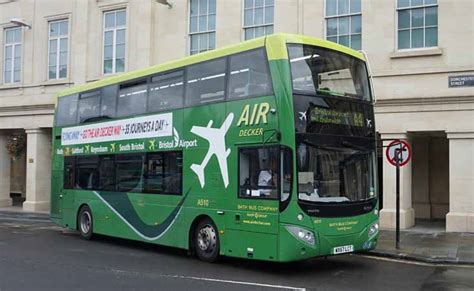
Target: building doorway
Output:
{"points": [[430, 178]]}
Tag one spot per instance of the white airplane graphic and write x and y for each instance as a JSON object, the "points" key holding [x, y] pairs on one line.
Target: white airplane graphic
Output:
{"points": [[217, 147], [302, 115]]}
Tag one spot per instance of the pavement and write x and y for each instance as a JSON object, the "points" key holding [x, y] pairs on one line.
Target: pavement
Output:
{"points": [[38, 255], [427, 242]]}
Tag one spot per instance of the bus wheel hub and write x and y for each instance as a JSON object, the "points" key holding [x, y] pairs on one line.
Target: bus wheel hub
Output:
{"points": [[85, 222], [207, 239]]}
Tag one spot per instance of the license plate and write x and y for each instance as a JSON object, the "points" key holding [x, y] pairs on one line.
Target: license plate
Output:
{"points": [[343, 249]]}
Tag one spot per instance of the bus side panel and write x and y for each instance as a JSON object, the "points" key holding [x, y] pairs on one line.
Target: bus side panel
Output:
{"points": [[56, 179], [136, 216], [252, 245], [251, 222]]}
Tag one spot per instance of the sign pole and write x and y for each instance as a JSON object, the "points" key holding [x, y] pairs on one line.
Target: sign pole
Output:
{"points": [[397, 193], [398, 154]]}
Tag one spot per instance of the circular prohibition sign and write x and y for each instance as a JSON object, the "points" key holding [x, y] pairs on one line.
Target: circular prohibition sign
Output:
{"points": [[398, 145]]}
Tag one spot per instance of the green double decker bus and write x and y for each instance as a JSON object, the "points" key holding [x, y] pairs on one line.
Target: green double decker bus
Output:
{"points": [[263, 150]]}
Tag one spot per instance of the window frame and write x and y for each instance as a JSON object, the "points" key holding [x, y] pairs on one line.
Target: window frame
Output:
{"points": [[13, 45], [198, 32], [410, 28], [58, 48], [114, 30], [349, 15], [279, 182], [264, 25]]}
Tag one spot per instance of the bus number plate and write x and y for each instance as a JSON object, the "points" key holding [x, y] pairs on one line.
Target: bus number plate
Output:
{"points": [[343, 249]]}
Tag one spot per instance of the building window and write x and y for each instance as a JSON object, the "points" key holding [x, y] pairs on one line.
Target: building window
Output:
{"points": [[12, 55], [343, 22], [202, 26], [417, 23], [258, 18], [58, 49], [114, 41]]}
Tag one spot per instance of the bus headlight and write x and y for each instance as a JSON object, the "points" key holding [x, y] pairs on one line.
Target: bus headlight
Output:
{"points": [[373, 229], [302, 234]]}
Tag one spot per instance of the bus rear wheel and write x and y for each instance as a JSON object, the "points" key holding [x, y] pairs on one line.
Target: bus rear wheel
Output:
{"points": [[84, 222], [206, 241]]}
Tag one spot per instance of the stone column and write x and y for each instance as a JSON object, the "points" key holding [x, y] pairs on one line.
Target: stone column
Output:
{"points": [[461, 183], [387, 214], [38, 169], [5, 199]]}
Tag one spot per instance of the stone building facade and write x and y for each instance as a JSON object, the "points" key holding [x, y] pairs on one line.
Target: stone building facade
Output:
{"points": [[421, 55]]}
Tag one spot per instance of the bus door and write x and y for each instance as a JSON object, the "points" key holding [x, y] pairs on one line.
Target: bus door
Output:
{"points": [[254, 222]]}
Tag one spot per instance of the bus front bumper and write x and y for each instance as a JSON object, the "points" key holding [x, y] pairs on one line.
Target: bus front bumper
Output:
{"points": [[294, 248]]}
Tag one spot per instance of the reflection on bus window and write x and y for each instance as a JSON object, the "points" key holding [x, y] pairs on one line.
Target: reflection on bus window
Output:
{"points": [[249, 75], [335, 174], [87, 174], [259, 172], [67, 110], [166, 91], [317, 70], [107, 173], [129, 170], [89, 105], [163, 173], [132, 98], [206, 82], [109, 101]]}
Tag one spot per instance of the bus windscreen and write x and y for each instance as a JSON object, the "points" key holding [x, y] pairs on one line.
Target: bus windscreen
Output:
{"points": [[325, 72]]}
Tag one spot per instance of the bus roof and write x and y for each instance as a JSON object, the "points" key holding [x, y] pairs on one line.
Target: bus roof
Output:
{"points": [[275, 46]]}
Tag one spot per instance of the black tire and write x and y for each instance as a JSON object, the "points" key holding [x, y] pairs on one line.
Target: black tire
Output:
{"points": [[85, 222], [206, 241]]}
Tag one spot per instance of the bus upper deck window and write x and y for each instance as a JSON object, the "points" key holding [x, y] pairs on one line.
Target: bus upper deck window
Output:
{"points": [[166, 91], [109, 101], [206, 82], [67, 110], [249, 75], [132, 98], [89, 105]]}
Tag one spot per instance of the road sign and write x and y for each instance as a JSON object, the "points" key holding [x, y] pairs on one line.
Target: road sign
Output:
{"points": [[404, 153]]}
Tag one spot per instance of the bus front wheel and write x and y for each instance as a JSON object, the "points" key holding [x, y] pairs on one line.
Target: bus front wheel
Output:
{"points": [[84, 222], [206, 241]]}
